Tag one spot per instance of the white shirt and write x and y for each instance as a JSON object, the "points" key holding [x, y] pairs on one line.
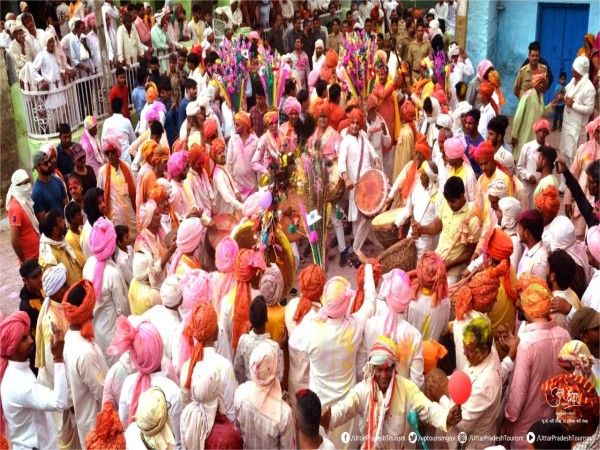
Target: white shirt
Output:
{"points": [[460, 109], [129, 46], [459, 71], [172, 395], [123, 125], [526, 167], [36, 41], [576, 117], [487, 113], [430, 321], [86, 368], [441, 10], [110, 33], [114, 303], [378, 140], [166, 322], [534, 261], [590, 296], [225, 192], [26, 404]]}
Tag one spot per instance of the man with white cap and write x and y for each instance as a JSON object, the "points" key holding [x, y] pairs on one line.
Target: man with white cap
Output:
{"points": [[579, 104], [233, 14], [21, 50], [34, 35], [460, 68], [208, 42], [318, 57]]}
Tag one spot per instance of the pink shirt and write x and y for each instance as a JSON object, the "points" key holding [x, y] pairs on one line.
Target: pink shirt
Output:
{"points": [[537, 360], [239, 163], [143, 31]]}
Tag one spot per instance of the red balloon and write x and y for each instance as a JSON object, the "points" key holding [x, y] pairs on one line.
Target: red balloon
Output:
{"points": [[459, 387]]}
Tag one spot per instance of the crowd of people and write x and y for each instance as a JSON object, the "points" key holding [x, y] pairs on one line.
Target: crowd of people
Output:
{"points": [[144, 322]]}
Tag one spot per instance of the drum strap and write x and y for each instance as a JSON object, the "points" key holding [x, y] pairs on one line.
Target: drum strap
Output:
{"points": [[362, 154]]}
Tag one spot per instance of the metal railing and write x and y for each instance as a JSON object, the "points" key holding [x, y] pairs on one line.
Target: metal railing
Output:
{"points": [[73, 101]]}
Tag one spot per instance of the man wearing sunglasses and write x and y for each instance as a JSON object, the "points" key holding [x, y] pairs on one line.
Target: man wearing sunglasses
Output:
{"points": [[48, 190]]}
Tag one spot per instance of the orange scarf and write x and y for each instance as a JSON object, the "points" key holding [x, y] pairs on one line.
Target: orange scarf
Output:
{"points": [[128, 180], [359, 297]]}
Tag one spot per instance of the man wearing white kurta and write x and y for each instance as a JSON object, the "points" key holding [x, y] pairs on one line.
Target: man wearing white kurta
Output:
{"points": [[579, 104], [331, 341], [356, 157]]}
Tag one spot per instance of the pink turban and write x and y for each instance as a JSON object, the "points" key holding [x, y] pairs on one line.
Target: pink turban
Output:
{"points": [[271, 285], [145, 349], [251, 206], [454, 148], [177, 163], [483, 67], [253, 35], [395, 287], [225, 253], [593, 241], [196, 286], [591, 127], [103, 242], [265, 390], [189, 236], [12, 330], [90, 20], [541, 124], [337, 294], [291, 105]]}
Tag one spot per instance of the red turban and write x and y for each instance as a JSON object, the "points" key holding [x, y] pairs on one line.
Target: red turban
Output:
{"points": [[359, 298], [486, 89], [196, 155], [408, 111], [246, 266], [109, 433], [431, 271], [498, 245], [310, 281], [243, 118], [201, 327], [216, 146], [480, 291], [548, 201], [422, 147], [357, 115], [326, 73], [12, 330], [484, 151], [209, 128], [81, 315], [541, 124], [563, 389], [160, 154]]}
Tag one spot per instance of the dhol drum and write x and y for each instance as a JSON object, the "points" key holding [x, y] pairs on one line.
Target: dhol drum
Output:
{"points": [[385, 229], [401, 255], [370, 192], [223, 223]]}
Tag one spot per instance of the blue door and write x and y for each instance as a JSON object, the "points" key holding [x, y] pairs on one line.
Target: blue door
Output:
{"points": [[560, 31]]}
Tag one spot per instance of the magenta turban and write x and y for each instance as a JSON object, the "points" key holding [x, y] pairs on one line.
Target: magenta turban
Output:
{"points": [[593, 241], [103, 242], [145, 348], [177, 163], [290, 105], [225, 253], [196, 287]]}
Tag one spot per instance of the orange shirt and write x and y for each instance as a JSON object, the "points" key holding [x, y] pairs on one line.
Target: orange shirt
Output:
{"points": [[28, 236]]}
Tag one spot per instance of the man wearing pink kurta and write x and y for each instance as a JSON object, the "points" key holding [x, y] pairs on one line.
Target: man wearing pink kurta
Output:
{"points": [[384, 92], [240, 151], [537, 360]]}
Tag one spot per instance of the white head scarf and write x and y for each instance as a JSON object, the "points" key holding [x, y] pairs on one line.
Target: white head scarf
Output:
{"points": [[561, 235], [505, 158], [497, 188], [198, 418], [581, 65], [54, 278], [511, 208], [152, 419], [171, 292], [22, 194]]}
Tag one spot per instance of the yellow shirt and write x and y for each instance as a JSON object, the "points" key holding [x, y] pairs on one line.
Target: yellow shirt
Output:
{"points": [[72, 239], [460, 228], [74, 270]]}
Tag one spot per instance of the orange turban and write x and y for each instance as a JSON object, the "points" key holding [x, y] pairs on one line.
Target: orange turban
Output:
{"points": [[331, 59], [548, 201], [408, 111], [209, 128], [160, 154], [81, 315], [422, 147], [485, 151], [431, 271], [246, 266], [147, 148], [498, 245], [356, 115], [536, 301], [243, 118], [216, 146], [270, 117], [433, 351], [201, 327], [179, 145], [326, 73], [151, 94], [526, 279], [196, 154], [538, 79], [109, 433], [486, 89], [310, 281], [158, 193], [480, 291], [564, 388], [359, 297]]}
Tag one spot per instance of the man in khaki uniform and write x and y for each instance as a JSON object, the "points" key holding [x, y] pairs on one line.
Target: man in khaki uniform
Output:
{"points": [[417, 50], [334, 40], [523, 80]]}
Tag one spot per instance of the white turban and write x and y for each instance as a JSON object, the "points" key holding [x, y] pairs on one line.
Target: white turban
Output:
{"points": [[72, 22], [581, 65], [146, 4], [141, 266], [192, 109], [505, 158], [453, 50], [444, 121], [498, 188], [47, 37], [54, 278], [319, 43], [22, 6], [511, 208], [171, 293], [561, 233], [152, 418], [13, 26], [198, 418]]}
